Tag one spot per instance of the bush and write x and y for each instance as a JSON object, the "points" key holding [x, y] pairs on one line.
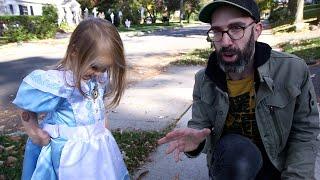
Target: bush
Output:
{"points": [[21, 28], [279, 14]]}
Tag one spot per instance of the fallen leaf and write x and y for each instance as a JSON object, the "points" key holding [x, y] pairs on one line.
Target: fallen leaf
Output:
{"points": [[10, 160], [10, 148], [1, 148], [15, 138], [142, 174], [2, 177], [176, 177]]}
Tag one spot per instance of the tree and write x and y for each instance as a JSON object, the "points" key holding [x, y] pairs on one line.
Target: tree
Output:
{"points": [[266, 4], [299, 15], [190, 7], [151, 7], [295, 8], [90, 4], [172, 5]]}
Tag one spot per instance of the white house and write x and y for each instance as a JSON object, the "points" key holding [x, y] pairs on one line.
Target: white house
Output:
{"points": [[68, 10], [2, 9]]}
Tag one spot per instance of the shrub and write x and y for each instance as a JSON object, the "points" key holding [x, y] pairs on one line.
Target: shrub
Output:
{"points": [[279, 14], [21, 28]]}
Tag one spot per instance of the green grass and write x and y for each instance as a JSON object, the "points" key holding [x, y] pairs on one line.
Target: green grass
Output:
{"points": [[313, 6], [14, 148], [309, 50], [3, 41], [136, 145], [148, 27], [196, 57], [282, 23]]}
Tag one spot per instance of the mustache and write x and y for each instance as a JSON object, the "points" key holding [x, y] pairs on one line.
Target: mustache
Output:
{"points": [[228, 50]]}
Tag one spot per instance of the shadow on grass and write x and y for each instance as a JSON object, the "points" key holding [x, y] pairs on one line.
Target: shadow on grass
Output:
{"points": [[309, 50], [196, 57]]}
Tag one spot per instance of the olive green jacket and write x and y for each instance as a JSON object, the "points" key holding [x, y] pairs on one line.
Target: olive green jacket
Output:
{"points": [[286, 111]]}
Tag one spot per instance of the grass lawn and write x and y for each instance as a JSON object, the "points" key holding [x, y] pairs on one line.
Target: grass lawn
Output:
{"points": [[309, 50], [135, 146], [280, 22], [148, 27], [195, 57]]}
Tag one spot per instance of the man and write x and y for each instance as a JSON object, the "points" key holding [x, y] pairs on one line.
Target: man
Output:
{"points": [[254, 110]]}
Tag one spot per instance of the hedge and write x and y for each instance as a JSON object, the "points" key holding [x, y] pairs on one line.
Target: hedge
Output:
{"points": [[21, 28]]}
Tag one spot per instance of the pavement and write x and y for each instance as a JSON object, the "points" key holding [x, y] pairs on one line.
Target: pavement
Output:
{"points": [[154, 103], [163, 166]]}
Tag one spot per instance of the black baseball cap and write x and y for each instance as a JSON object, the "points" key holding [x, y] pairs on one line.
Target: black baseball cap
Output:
{"points": [[248, 6]]}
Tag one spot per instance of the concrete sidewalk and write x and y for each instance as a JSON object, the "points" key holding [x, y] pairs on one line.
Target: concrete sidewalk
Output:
{"points": [[163, 166], [153, 104]]}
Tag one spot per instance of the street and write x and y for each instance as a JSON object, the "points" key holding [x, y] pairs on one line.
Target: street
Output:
{"points": [[144, 53]]}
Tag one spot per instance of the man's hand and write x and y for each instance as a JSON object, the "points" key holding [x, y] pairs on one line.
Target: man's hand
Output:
{"points": [[30, 123], [184, 140]]}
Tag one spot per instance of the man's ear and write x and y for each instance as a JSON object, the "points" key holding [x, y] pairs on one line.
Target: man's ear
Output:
{"points": [[257, 30]]}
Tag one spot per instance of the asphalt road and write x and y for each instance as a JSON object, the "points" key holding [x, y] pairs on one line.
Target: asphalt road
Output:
{"points": [[17, 61]]}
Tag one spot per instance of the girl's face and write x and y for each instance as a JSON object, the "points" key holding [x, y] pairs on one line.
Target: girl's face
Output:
{"points": [[96, 68]]}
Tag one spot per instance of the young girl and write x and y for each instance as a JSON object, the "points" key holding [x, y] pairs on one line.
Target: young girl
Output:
{"points": [[72, 141]]}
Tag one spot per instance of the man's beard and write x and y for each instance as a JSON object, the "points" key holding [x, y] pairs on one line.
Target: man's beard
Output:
{"points": [[243, 57]]}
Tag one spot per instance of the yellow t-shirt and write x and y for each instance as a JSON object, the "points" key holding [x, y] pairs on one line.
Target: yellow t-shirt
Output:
{"points": [[241, 115]]}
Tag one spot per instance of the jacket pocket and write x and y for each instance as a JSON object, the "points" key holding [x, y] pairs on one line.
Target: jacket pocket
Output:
{"points": [[281, 106]]}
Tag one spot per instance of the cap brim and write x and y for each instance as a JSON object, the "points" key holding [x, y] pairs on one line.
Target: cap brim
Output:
{"points": [[206, 12]]}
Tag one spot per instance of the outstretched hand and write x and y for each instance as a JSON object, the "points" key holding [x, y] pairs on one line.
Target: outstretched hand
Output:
{"points": [[184, 140]]}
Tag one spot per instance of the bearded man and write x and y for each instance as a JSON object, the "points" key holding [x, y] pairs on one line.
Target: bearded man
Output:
{"points": [[254, 110]]}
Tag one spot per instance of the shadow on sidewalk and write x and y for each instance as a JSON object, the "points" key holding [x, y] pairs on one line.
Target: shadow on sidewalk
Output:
{"points": [[13, 72]]}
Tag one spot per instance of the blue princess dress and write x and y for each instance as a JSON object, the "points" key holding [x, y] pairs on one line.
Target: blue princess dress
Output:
{"points": [[80, 147]]}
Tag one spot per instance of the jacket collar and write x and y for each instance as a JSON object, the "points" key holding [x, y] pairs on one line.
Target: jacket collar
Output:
{"points": [[218, 76]]}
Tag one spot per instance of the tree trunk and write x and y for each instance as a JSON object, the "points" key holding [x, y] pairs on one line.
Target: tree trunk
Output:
{"points": [[299, 16], [181, 11], [299, 12], [292, 7]]}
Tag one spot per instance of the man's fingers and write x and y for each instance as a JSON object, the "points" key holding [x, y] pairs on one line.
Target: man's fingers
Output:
{"points": [[205, 132], [172, 146], [172, 136], [163, 140], [177, 155]]}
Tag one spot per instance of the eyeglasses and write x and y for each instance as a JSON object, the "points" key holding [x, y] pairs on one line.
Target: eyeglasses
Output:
{"points": [[235, 32]]}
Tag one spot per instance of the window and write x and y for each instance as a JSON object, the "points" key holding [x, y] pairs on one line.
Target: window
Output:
{"points": [[23, 10], [11, 9], [31, 10]]}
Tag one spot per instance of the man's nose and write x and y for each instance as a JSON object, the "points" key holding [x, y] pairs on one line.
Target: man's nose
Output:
{"points": [[226, 40]]}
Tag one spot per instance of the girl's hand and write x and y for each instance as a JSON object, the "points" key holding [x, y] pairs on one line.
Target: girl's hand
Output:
{"points": [[41, 137], [30, 123]]}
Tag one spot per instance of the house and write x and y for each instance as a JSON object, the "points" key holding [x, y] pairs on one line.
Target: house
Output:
{"points": [[305, 1], [68, 10]]}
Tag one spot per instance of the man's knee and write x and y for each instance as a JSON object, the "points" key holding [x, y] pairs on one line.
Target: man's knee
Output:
{"points": [[237, 157], [237, 145]]}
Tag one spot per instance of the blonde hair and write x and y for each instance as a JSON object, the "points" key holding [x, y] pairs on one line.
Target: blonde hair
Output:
{"points": [[91, 38]]}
